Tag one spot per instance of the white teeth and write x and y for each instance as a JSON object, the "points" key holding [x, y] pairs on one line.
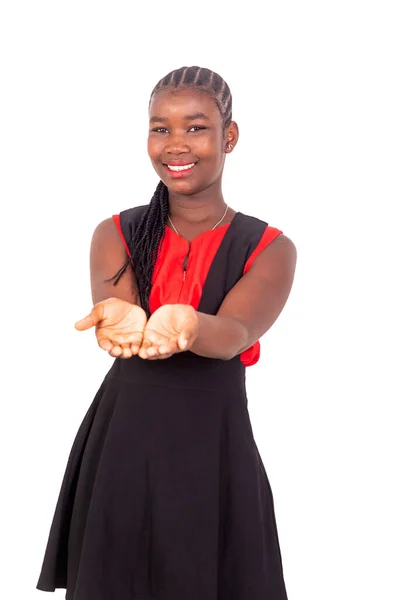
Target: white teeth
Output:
{"points": [[182, 168]]}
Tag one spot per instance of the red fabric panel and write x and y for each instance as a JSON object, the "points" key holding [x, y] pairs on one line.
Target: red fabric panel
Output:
{"points": [[250, 356], [268, 236], [169, 284], [117, 222]]}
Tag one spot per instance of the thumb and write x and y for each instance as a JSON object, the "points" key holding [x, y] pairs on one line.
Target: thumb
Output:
{"points": [[95, 316], [183, 341]]}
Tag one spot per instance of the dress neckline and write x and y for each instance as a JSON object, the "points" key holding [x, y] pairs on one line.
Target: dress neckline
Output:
{"points": [[200, 235]]}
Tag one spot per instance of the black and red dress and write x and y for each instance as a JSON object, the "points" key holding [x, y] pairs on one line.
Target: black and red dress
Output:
{"points": [[165, 496]]}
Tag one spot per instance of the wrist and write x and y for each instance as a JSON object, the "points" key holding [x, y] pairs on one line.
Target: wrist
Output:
{"points": [[196, 329], [219, 336]]}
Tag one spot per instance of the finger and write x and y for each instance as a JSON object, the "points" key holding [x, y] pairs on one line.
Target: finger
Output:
{"points": [[105, 344], [183, 341], [165, 347], [126, 353], [115, 351], [145, 345], [169, 348], [85, 323], [152, 351], [135, 349], [154, 357], [95, 316], [160, 352]]}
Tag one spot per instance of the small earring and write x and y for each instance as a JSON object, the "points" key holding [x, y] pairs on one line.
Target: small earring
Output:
{"points": [[229, 147]]}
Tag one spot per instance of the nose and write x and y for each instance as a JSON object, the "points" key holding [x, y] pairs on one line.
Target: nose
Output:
{"points": [[177, 144]]}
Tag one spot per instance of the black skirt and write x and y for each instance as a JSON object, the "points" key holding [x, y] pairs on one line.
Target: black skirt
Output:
{"points": [[165, 496]]}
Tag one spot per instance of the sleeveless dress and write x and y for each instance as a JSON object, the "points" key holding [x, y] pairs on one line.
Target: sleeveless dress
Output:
{"points": [[165, 495]]}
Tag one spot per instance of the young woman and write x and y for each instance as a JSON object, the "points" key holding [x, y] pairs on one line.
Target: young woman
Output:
{"points": [[165, 496]]}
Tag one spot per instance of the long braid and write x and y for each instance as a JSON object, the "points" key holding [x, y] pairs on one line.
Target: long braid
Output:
{"points": [[145, 245], [146, 241]]}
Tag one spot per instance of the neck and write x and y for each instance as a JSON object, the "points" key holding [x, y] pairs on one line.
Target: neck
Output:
{"points": [[208, 205]]}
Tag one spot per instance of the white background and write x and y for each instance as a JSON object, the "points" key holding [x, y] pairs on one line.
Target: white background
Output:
{"points": [[316, 94]]}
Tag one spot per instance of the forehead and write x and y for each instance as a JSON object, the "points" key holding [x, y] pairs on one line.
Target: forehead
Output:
{"points": [[180, 103]]}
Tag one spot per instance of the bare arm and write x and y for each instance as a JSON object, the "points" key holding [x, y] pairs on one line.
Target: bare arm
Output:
{"points": [[107, 255], [252, 306]]}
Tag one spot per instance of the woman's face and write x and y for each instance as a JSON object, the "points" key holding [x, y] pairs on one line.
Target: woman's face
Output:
{"points": [[186, 143]]}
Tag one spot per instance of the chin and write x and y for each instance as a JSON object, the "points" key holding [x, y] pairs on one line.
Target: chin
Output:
{"points": [[184, 188]]}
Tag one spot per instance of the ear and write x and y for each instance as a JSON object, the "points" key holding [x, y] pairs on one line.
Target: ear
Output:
{"points": [[231, 136]]}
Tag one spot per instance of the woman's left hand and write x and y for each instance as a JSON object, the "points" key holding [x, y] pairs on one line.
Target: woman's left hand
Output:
{"points": [[172, 328]]}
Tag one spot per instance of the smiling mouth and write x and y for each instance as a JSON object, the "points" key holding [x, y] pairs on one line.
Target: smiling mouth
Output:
{"points": [[178, 168]]}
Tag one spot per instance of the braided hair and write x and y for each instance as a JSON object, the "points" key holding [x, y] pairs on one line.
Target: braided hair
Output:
{"points": [[146, 241]]}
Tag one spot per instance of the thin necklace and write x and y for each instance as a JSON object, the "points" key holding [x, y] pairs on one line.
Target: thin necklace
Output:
{"points": [[216, 224]]}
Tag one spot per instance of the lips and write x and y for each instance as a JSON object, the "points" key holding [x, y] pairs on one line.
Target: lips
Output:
{"points": [[180, 165], [179, 169]]}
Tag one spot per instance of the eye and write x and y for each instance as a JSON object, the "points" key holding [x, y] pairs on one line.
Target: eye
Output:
{"points": [[197, 127], [160, 129]]}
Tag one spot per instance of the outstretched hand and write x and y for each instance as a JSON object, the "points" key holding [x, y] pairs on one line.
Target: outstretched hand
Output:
{"points": [[119, 326], [122, 329], [171, 329]]}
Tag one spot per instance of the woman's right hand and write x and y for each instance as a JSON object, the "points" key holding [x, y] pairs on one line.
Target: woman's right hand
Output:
{"points": [[119, 326]]}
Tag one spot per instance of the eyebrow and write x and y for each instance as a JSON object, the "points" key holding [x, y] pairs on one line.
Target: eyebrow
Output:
{"points": [[199, 115]]}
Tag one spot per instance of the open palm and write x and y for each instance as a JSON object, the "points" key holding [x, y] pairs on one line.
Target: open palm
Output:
{"points": [[172, 328], [119, 326]]}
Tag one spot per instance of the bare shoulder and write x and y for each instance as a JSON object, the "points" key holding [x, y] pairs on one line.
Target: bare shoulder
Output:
{"points": [[284, 242], [107, 232], [279, 255]]}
